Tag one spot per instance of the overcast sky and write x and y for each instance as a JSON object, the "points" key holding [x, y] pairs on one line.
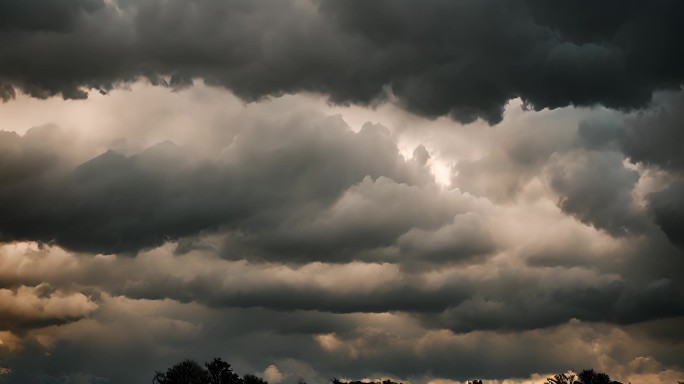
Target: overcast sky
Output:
{"points": [[429, 191]]}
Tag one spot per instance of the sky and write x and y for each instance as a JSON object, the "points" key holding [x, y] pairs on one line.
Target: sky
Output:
{"points": [[427, 191]]}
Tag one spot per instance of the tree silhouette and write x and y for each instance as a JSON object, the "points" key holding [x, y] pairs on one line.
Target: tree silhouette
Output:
{"points": [[185, 372], [252, 379], [220, 372], [588, 376], [337, 381], [561, 378], [215, 372]]}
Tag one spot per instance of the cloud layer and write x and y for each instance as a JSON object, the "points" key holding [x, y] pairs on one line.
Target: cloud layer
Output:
{"points": [[297, 234], [463, 58]]}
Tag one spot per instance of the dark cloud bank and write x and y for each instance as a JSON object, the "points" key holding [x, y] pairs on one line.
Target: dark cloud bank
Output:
{"points": [[313, 224], [304, 188], [274, 181], [653, 138], [463, 58]]}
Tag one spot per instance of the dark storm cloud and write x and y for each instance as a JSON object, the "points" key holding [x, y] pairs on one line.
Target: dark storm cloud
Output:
{"points": [[461, 58], [603, 299], [381, 350], [656, 136], [484, 298], [507, 302], [372, 217], [286, 296], [296, 190], [24, 157], [147, 334], [44, 15], [668, 208], [597, 188], [653, 137]]}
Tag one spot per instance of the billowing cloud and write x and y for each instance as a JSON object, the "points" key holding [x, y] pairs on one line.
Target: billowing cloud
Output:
{"points": [[668, 207], [652, 139], [147, 226], [264, 176], [597, 188], [460, 58], [30, 307], [272, 374]]}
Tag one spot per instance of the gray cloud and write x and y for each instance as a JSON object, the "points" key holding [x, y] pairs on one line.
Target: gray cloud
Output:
{"points": [[461, 58], [26, 308], [297, 189], [597, 188], [655, 136], [368, 346], [44, 15], [269, 179], [489, 296], [272, 234], [668, 208], [602, 299], [652, 137], [376, 216]]}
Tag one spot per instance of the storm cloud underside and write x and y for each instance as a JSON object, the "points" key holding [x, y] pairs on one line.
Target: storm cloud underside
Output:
{"points": [[464, 58]]}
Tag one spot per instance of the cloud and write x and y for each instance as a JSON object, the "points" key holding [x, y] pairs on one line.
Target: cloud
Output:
{"points": [[288, 232], [44, 16], [463, 58], [597, 188], [284, 204], [30, 307], [375, 215], [495, 296], [465, 237], [267, 175], [654, 136], [481, 354], [668, 207], [272, 374], [140, 334], [651, 137], [598, 298]]}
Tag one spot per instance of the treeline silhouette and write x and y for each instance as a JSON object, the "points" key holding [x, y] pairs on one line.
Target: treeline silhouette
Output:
{"points": [[215, 372], [336, 381], [587, 376], [220, 372]]}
